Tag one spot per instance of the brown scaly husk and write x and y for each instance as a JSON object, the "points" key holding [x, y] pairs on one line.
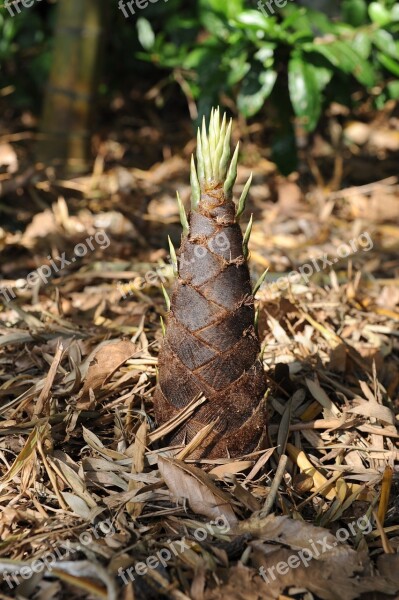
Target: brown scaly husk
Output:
{"points": [[211, 346]]}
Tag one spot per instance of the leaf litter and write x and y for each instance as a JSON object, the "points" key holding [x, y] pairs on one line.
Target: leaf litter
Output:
{"points": [[79, 445]]}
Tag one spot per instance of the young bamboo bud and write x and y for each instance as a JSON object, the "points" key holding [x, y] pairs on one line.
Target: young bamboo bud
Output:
{"points": [[211, 346]]}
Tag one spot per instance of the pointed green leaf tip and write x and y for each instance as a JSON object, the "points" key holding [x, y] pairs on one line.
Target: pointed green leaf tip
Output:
{"points": [[247, 235], [173, 257], [195, 186], [162, 326], [259, 282], [183, 216], [166, 296], [213, 155], [232, 174], [243, 198]]}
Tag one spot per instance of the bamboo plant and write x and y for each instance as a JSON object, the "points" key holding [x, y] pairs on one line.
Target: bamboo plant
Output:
{"points": [[65, 128], [211, 347]]}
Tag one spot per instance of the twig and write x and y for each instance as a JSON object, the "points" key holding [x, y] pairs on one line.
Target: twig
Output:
{"points": [[282, 463]]}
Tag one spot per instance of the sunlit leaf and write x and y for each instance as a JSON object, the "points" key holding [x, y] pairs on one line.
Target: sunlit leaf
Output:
{"points": [[145, 33], [227, 8], [254, 91], [379, 14], [304, 91], [256, 20], [345, 58], [362, 44], [385, 42], [389, 63]]}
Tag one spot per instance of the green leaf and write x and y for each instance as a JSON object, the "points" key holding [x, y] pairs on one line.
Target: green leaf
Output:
{"points": [[215, 24], [304, 91], [10, 29], [238, 68], [380, 101], [389, 63], [393, 89], [354, 12], [265, 54], [254, 91], [227, 8], [294, 13], [195, 57], [145, 33], [385, 42], [346, 59], [379, 14], [323, 76], [254, 19], [362, 44], [308, 21], [395, 12]]}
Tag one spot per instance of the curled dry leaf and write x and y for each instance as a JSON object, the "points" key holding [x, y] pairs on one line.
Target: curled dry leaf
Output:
{"points": [[374, 410], [231, 468], [320, 395], [138, 452], [204, 498], [103, 365], [299, 535]]}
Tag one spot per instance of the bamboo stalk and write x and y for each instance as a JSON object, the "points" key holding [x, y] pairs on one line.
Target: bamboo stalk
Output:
{"points": [[67, 115]]}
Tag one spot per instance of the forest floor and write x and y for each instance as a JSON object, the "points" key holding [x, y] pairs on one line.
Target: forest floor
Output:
{"points": [[89, 491]]}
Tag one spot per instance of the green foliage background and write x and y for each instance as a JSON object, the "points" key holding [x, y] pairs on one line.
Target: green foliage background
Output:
{"points": [[296, 61]]}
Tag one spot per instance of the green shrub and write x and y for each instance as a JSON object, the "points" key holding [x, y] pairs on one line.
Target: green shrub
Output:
{"points": [[298, 59]]}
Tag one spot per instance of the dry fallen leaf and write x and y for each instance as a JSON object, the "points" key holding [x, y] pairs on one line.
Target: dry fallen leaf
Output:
{"points": [[103, 365], [137, 453], [191, 483]]}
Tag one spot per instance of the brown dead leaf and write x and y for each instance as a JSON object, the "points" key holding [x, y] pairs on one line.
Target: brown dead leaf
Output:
{"points": [[138, 451], [42, 402], [299, 535], [231, 468], [388, 566], [191, 483], [374, 410], [43, 225], [103, 365]]}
